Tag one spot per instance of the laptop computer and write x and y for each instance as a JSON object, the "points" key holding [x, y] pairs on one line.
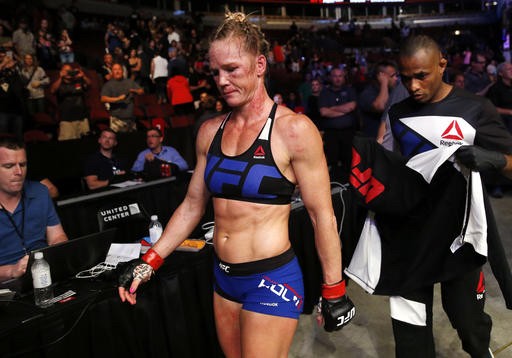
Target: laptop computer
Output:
{"points": [[66, 259]]}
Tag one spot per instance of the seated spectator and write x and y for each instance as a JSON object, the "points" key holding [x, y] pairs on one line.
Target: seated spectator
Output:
{"points": [[70, 88], [149, 161], [104, 167], [29, 219], [119, 93], [34, 79]]}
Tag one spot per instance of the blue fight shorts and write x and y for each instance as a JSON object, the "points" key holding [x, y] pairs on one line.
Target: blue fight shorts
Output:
{"points": [[270, 286]]}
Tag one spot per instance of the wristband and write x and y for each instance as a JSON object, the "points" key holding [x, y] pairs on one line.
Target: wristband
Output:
{"points": [[153, 259], [335, 290]]}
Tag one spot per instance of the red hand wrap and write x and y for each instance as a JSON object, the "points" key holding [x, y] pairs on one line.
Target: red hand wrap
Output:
{"points": [[336, 290], [152, 258]]}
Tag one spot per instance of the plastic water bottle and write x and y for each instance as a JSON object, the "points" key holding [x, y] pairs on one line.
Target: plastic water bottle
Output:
{"points": [[155, 229], [42, 279]]}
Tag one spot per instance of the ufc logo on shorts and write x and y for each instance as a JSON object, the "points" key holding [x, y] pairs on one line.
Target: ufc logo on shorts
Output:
{"points": [[223, 267], [283, 291], [346, 318]]}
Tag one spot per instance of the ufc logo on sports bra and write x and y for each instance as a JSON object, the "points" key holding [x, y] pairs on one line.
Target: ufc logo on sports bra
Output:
{"points": [[230, 176], [284, 291]]}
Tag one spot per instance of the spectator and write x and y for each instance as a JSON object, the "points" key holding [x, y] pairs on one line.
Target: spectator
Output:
{"points": [[29, 218], [374, 98], [45, 46], [106, 68], [104, 167], [11, 97], [134, 65], [458, 80], [337, 104], [23, 39], [500, 93], [476, 79], [180, 97], [64, 45], [278, 98], [158, 74], [177, 65], [313, 111], [172, 35], [149, 161], [70, 88], [118, 93], [34, 79]]}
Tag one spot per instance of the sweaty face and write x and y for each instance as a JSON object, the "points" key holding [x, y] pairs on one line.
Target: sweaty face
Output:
{"points": [[13, 170], [422, 75], [235, 71]]}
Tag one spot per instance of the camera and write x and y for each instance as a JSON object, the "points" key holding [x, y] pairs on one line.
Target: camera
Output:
{"points": [[72, 73]]}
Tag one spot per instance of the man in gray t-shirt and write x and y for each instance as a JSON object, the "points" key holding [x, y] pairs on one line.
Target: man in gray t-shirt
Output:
{"points": [[118, 93]]}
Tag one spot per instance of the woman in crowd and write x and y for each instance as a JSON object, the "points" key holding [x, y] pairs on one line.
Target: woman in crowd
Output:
{"points": [[34, 79], [258, 290]]}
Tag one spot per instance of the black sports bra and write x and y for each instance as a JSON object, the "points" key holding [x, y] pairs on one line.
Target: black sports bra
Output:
{"points": [[251, 176]]}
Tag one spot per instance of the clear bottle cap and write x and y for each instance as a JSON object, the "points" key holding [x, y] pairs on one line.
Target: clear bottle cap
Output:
{"points": [[38, 255], [154, 217]]}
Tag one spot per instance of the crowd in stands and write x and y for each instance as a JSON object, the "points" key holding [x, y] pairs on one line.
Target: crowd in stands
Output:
{"points": [[154, 72]]}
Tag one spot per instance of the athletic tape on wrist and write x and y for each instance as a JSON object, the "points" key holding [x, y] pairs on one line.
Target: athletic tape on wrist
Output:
{"points": [[152, 258], [336, 290]]}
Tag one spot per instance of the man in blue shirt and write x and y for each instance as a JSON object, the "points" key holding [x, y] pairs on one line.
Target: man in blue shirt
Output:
{"points": [[157, 154], [28, 220]]}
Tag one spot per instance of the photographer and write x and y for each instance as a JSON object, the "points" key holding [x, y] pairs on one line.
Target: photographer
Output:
{"points": [[70, 89]]}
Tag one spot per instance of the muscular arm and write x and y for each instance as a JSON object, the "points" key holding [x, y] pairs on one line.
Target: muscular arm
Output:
{"points": [[310, 168], [338, 110]]}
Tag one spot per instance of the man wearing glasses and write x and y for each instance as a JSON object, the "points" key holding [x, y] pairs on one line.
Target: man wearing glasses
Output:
{"points": [[158, 160], [476, 79]]}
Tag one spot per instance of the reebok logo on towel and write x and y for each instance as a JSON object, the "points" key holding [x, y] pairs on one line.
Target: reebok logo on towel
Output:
{"points": [[453, 132]]}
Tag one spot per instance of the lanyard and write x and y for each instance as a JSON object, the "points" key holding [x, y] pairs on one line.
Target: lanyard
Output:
{"points": [[19, 230]]}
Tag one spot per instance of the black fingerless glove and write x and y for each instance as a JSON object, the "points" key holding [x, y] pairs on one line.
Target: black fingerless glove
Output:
{"points": [[479, 159], [125, 278], [337, 309], [140, 268]]}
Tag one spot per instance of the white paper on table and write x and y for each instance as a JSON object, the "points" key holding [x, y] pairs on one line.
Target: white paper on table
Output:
{"points": [[122, 253], [126, 183]]}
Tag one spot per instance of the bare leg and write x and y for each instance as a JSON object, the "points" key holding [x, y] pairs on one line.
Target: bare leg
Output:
{"points": [[265, 335], [227, 323]]}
